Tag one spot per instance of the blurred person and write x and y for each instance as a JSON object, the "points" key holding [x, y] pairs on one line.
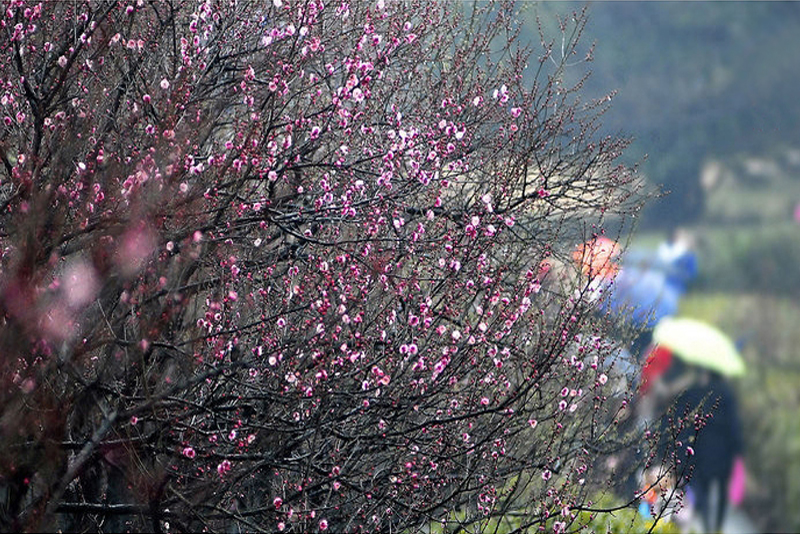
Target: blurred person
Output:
{"points": [[662, 498], [677, 258], [711, 447], [648, 286]]}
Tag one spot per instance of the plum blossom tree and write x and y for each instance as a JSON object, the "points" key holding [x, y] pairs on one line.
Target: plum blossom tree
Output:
{"points": [[278, 266]]}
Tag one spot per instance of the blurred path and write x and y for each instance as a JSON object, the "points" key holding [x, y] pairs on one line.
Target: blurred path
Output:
{"points": [[737, 522]]}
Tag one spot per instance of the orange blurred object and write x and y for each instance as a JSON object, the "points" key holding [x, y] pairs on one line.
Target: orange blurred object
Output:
{"points": [[597, 257]]}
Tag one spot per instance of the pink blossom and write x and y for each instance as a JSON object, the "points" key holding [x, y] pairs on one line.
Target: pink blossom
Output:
{"points": [[28, 385], [189, 452], [137, 245], [164, 84], [224, 467], [80, 283], [323, 525]]}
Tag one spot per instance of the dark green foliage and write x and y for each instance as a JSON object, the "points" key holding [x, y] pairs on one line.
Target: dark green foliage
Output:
{"points": [[694, 80]]}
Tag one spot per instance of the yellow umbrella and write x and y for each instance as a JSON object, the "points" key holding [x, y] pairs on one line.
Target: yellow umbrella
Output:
{"points": [[700, 344]]}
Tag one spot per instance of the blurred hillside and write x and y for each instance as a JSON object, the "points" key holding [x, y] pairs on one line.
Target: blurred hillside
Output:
{"points": [[696, 81]]}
